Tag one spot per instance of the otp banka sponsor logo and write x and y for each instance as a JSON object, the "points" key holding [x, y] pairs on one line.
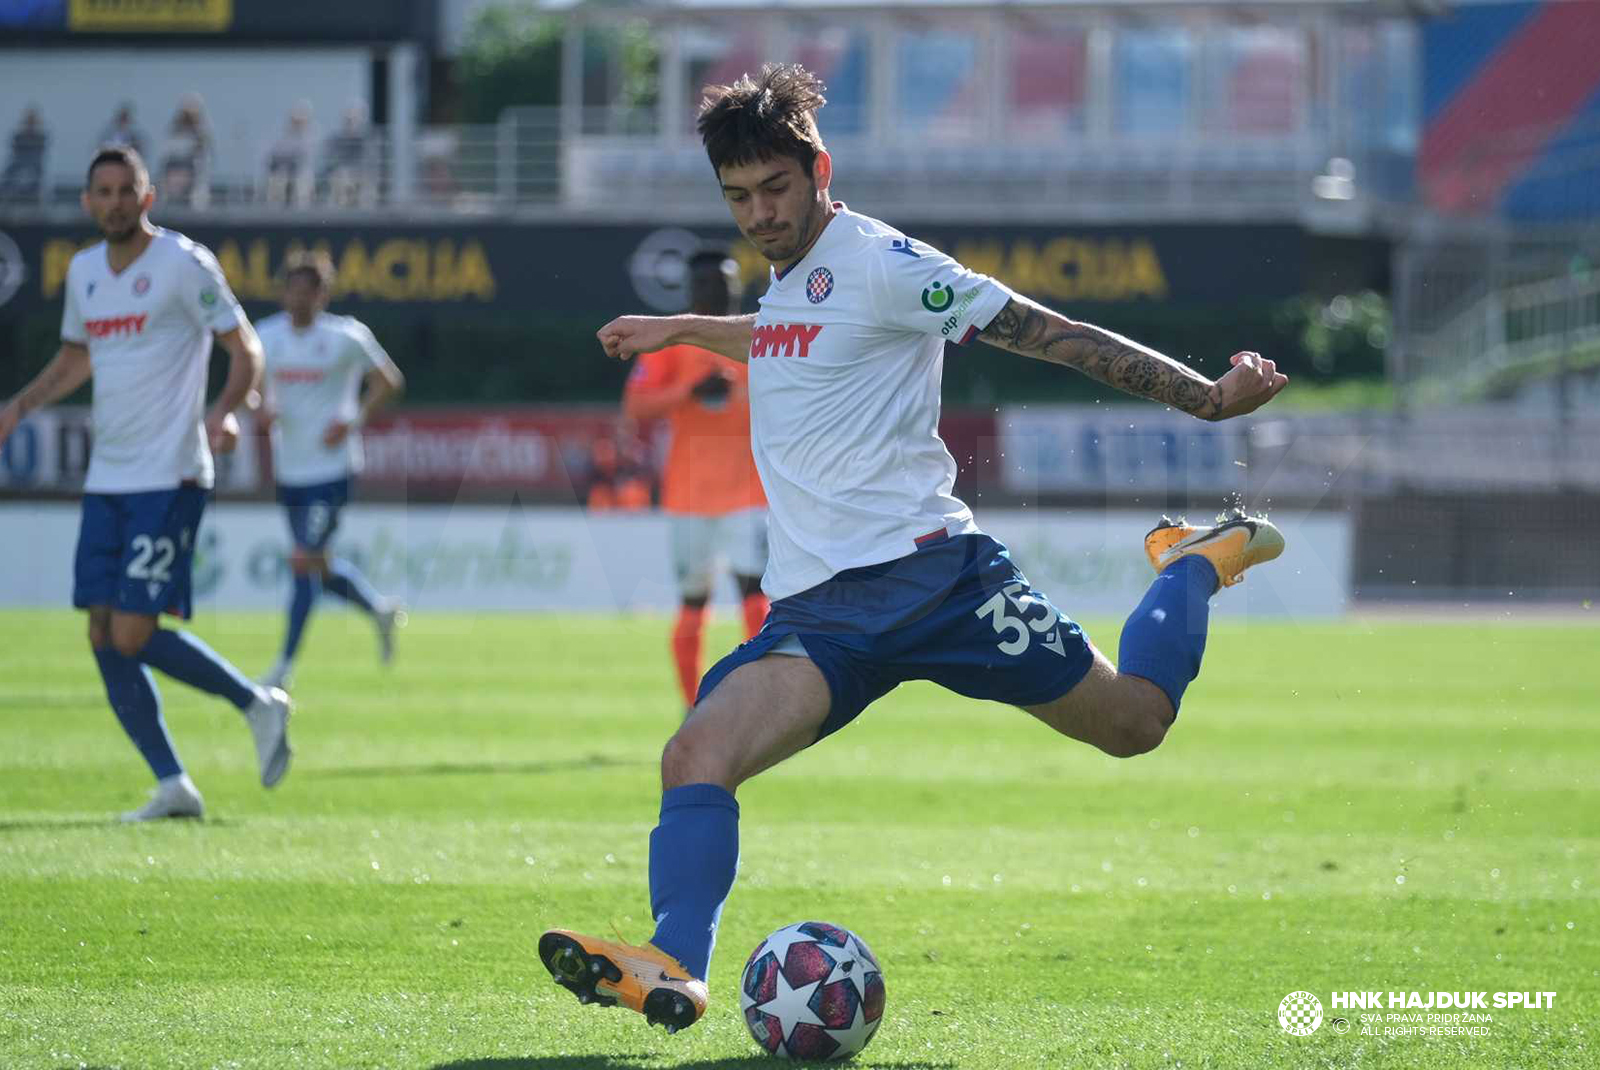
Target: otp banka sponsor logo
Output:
{"points": [[783, 339]]}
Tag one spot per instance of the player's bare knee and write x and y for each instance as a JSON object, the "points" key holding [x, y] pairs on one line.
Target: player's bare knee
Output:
{"points": [[1139, 731], [100, 628], [307, 563], [1141, 722], [128, 640], [684, 760]]}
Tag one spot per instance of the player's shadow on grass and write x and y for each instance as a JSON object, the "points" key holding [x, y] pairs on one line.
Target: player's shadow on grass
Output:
{"points": [[631, 1062], [552, 1062], [593, 761], [110, 821]]}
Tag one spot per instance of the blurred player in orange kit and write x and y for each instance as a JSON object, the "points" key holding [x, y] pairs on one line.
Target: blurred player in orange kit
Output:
{"points": [[710, 489]]}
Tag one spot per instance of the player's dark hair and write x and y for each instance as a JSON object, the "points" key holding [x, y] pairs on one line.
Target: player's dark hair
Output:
{"points": [[312, 262], [714, 263], [124, 155], [712, 257], [773, 114]]}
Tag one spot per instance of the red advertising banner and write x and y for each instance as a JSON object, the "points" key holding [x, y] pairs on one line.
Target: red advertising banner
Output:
{"points": [[512, 448], [547, 454]]}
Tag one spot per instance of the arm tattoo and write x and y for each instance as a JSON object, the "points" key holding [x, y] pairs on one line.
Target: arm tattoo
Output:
{"points": [[1033, 331]]}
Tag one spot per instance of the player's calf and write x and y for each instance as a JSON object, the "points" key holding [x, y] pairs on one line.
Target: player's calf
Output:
{"points": [[1120, 714], [1139, 721]]}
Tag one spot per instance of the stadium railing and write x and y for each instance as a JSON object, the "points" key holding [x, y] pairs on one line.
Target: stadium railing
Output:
{"points": [[1499, 319], [606, 160]]}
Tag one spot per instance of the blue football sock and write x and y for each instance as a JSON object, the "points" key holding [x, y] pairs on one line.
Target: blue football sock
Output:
{"points": [[137, 704], [306, 589], [1164, 638], [346, 581], [694, 854], [186, 659]]}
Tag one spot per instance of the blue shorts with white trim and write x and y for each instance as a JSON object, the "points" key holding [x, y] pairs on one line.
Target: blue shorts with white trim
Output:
{"points": [[136, 551], [957, 612]]}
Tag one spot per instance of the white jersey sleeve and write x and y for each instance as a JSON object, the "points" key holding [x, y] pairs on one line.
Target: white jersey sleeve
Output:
{"points": [[206, 292], [368, 352], [917, 288], [72, 327]]}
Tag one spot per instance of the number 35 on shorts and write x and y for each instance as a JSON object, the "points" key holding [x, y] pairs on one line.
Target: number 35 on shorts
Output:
{"points": [[1033, 616]]}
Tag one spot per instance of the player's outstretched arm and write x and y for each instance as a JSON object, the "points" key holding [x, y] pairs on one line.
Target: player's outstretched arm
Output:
{"points": [[1032, 330], [628, 336], [67, 370]]}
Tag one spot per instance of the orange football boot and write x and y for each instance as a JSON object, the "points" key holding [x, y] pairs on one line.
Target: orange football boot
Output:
{"points": [[1231, 547], [641, 977]]}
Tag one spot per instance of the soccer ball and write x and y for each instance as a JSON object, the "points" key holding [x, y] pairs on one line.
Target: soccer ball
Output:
{"points": [[812, 991]]}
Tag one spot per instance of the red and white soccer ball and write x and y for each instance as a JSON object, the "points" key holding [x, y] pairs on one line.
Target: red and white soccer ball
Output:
{"points": [[812, 991]]}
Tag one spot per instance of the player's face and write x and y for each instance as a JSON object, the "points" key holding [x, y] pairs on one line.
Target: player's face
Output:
{"points": [[303, 295], [117, 200], [776, 204]]}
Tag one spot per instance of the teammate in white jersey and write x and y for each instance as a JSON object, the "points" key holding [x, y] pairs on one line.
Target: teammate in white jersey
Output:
{"points": [[316, 364], [878, 573], [140, 312]]}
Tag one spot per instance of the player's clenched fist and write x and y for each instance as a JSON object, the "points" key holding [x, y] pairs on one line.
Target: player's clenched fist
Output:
{"points": [[628, 336], [1249, 384], [223, 432]]}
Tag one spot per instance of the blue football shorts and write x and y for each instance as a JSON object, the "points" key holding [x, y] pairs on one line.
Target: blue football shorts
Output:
{"points": [[957, 611], [314, 511], [136, 551]]}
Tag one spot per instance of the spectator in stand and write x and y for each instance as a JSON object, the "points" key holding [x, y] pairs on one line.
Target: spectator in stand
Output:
{"points": [[435, 149], [347, 174], [289, 160], [23, 179], [122, 130], [619, 480], [186, 156]]}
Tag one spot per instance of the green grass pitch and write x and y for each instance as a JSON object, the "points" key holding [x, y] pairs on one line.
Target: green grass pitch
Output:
{"points": [[1401, 805]]}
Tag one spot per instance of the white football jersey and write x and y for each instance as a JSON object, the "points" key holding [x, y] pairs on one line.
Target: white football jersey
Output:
{"points": [[148, 329], [314, 378], [845, 369]]}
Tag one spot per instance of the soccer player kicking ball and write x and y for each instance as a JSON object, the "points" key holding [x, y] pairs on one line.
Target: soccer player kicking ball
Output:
{"points": [[140, 310], [316, 364], [710, 491], [877, 574]]}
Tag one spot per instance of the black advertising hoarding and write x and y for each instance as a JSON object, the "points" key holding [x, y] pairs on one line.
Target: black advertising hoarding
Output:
{"points": [[602, 270]]}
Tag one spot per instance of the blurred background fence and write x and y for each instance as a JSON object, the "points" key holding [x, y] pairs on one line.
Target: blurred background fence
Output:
{"points": [[1399, 202]]}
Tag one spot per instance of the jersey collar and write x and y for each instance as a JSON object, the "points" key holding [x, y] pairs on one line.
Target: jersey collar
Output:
{"points": [[838, 207]]}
